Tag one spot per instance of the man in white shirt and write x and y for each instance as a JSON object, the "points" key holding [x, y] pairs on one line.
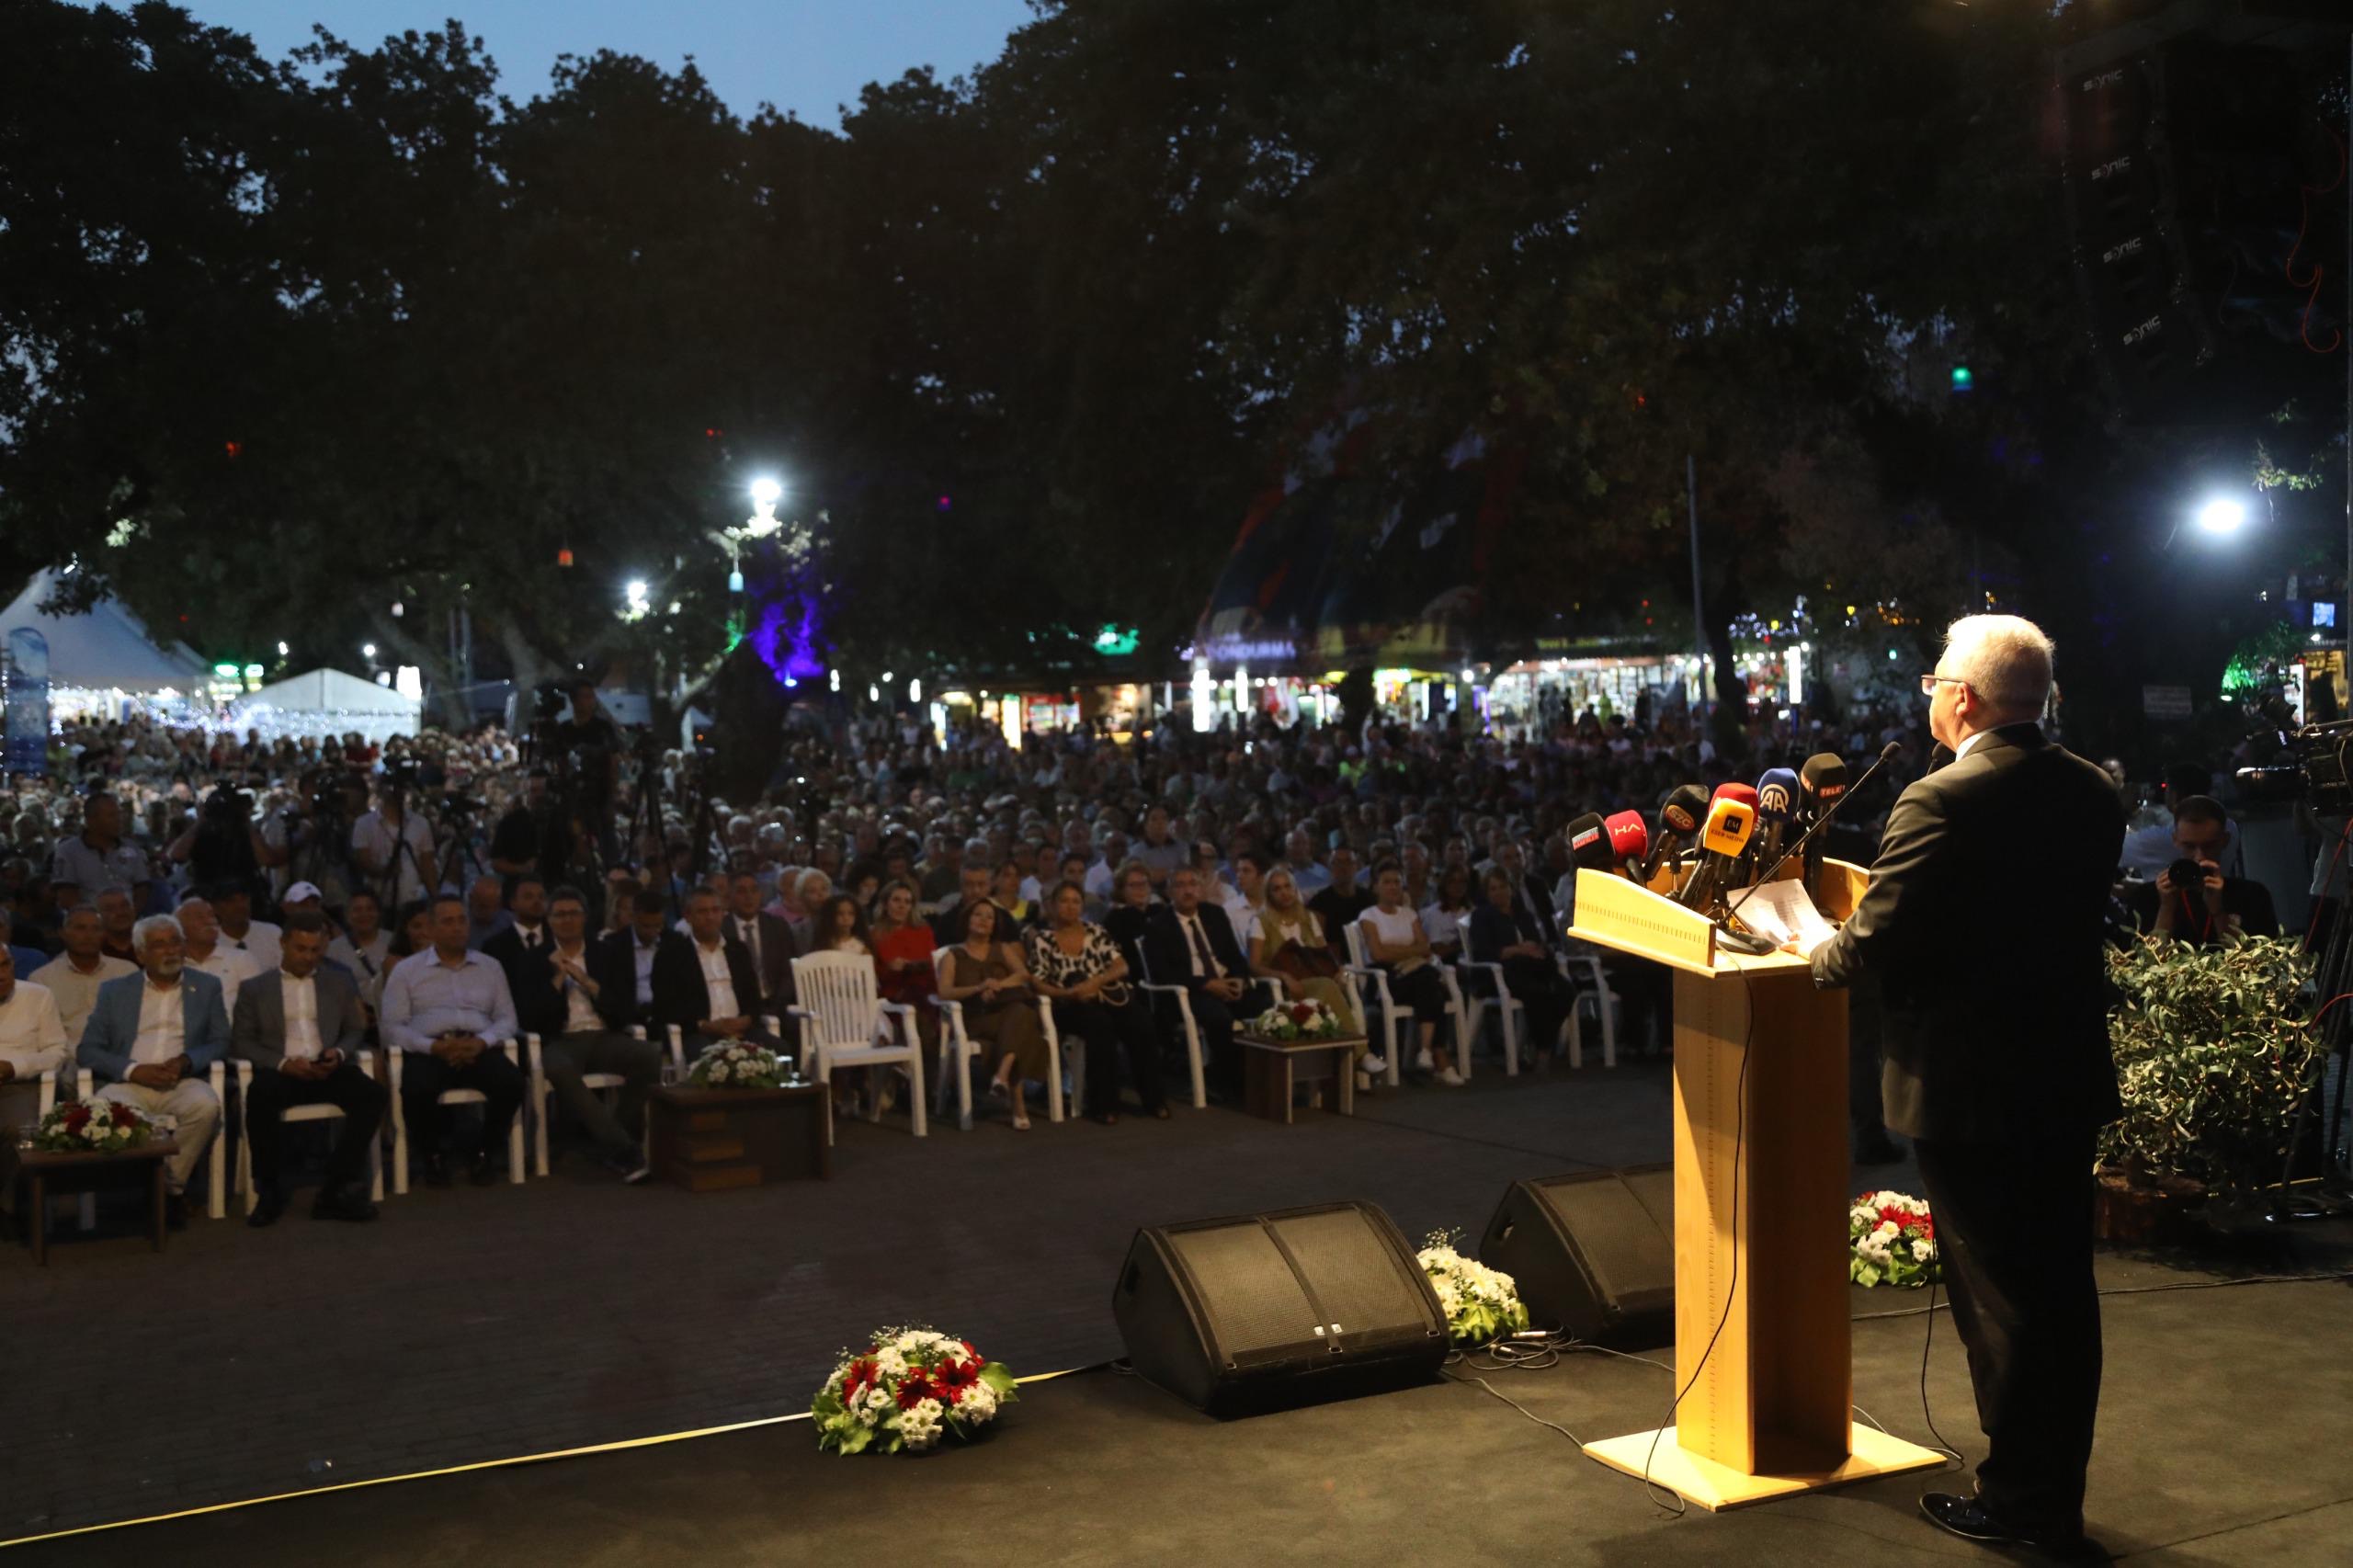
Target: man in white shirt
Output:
{"points": [[551, 970], [712, 1000], [257, 939], [32, 1041], [153, 1037], [74, 976], [200, 929], [394, 850], [302, 1027]]}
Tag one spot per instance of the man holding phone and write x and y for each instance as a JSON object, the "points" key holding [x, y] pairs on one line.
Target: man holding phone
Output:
{"points": [[300, 1026]]}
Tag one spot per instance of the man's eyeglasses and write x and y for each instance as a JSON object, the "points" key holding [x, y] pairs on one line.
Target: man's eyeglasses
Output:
{"points": [[1929, 683]]}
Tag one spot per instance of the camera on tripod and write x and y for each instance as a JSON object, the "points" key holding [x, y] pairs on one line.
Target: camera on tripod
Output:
{"points": [[2315, 764]]}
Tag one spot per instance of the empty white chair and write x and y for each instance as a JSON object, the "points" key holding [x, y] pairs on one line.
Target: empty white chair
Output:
{"points": [[845, 1024], [293, 1113], [515, 1160], [1584, 972]]}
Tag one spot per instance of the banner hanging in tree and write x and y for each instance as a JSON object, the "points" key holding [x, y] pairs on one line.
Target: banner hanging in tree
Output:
{"points": [[26, 697]]}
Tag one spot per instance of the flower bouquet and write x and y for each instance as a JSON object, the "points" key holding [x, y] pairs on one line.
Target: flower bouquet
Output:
{"points": [[1481, 1304], [735, 1065], [1893, 1240], [906, 1388], [92, 1127], [1297, 1020]]}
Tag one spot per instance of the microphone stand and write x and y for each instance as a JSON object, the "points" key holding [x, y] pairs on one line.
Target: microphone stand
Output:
{"points": [[1894, 749]]}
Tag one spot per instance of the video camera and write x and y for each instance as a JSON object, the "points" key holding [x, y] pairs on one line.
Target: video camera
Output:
{"points": [[2315, 764]]}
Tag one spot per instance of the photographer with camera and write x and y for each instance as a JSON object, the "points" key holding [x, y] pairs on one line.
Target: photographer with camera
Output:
{"points": [[591, 745], [392, 846], [514, 842], [316, 829], [224, 841], [2192, 899]]}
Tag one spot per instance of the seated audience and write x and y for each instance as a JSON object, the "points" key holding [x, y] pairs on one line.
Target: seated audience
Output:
{"points": [[74, 975], [558, 997], [1502, 931], [1077, 965], [1190, 943], [986, 972], [301, 1027], [207, 953], [1394, 940], [1294, 949], [706, 985], [448, 1008], [151, 1039], [32, 1041]]}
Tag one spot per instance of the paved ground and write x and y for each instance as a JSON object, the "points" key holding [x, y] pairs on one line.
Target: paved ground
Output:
{"points": [[479, 1324]]}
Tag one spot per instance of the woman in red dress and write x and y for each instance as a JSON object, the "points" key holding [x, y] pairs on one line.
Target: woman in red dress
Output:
{"points": [[902, 968]]}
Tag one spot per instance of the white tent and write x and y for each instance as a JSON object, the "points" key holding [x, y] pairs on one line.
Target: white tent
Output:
{"points": [[106, 649], [325, 701]]}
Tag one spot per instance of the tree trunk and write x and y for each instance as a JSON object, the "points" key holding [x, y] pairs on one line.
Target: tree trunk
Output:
{"points": [[1355, 692], [450, 702]]}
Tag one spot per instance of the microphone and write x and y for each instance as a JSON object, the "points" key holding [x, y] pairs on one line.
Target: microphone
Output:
{"points": [[1589, 842], [1777, 803], [1733, 789], [1830, 809], [1630, 837], [1678, 821], [1726, 834], [1821, 783]]}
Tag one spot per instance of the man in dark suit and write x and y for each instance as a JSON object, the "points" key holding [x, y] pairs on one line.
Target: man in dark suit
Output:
{"points": [[1190, 943], [551, 970], [302, 1027], [704, 983], [1983, 927], [621, 962], [768, 938]]}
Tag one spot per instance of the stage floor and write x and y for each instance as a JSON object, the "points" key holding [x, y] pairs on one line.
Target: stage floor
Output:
{"points": [[477, 1325], [2222, 1440]]}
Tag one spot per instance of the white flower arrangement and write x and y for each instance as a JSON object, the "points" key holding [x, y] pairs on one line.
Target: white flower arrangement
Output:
{"points": [[1480, 1304], [1304, 1020], [1892, 1239], [906, 1391], [736, 1066]]}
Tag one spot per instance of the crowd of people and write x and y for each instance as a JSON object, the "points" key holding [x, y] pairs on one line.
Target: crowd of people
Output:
{"points": [[314, 899]]}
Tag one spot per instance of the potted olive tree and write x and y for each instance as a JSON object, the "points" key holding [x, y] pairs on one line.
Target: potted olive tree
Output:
{"points": [[2212, 1046]]}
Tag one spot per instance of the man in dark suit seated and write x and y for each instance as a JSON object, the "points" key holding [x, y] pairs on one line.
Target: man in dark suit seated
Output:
{"points": [[1984, 926], [768, 938], [704, 983], [1190, 943], [557, 997], [622, 962], [302, 1027], [2219, 908]]}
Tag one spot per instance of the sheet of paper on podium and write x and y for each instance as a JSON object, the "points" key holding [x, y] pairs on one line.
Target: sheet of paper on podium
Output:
{"points": [[1783, 912]]}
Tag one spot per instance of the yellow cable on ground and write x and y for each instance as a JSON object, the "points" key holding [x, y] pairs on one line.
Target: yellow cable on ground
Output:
{"points": [[458, 1469]]}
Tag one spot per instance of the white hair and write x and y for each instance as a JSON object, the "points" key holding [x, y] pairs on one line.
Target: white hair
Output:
{"points": [[147, 930], [2005, 659]]}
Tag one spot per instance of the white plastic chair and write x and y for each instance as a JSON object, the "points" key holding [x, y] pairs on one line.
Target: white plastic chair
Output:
{"points": [[515, 1160], [293, 1113], [845, 1024], [1597, 996], [1509, 1011], [1361, 972], [1192, 1030]]}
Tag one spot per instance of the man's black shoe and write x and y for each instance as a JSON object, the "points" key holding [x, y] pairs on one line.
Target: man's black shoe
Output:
{"points": [[347, 1203], [436, 1171], [1880, 1151], [268, 1204], [1967, 1517], [484, 1173]]}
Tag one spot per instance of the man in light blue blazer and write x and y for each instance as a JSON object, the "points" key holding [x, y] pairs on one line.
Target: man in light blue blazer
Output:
{"points": [[153, 1035]]}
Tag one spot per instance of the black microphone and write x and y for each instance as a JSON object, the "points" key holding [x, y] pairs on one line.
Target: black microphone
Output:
{"points": [[1893, 750], [1678, 818], [1589, 844], [1821, 783]]}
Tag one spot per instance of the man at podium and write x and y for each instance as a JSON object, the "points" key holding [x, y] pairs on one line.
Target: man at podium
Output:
{"points": [[1983, 923]]}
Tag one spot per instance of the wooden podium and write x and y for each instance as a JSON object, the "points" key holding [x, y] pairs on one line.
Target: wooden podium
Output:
{"points": [[1760, 1212]]}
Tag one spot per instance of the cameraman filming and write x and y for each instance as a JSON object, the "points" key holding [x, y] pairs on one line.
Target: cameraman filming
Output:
{"points": [[2192, 900], [392, 846], [514, 842], [592, 743], [223, 842]]}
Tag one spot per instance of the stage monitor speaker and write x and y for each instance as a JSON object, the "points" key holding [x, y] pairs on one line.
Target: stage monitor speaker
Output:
{"points": [[1590, 1253], [1243, 1314]]}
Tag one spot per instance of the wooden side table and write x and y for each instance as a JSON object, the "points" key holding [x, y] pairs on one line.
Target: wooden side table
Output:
{"points": [[711, 1140], [38, 1174], [1273, 1071]]}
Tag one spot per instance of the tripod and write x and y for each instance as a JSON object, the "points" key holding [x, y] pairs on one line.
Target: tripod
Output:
{"points": [[2334, 976]]}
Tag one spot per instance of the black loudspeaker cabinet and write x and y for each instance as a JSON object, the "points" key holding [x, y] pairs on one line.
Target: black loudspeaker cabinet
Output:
{"points": [[1245, 1313], [1592, 1252]]}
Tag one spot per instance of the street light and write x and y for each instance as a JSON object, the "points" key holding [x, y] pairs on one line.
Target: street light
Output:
{"points": [[2222, 514], [766, 493], [367, 650]]}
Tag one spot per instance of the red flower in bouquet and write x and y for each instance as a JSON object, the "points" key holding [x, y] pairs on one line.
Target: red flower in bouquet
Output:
{"points": [[77, 1117], [915, 1391], [122, 1115], [957, 1375], [1302, 1012]]}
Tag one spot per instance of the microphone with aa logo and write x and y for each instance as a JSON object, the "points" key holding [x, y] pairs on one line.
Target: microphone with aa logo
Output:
{"points": [[1777, 805]]}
